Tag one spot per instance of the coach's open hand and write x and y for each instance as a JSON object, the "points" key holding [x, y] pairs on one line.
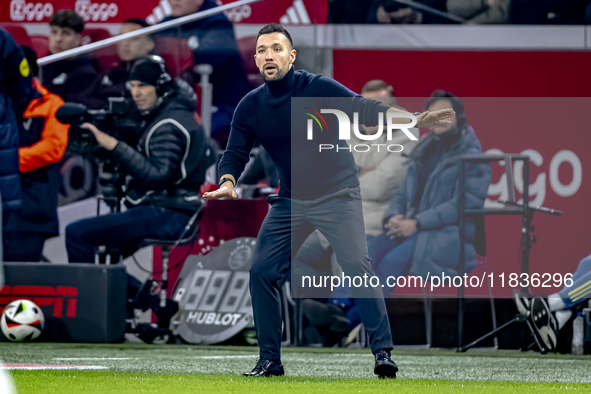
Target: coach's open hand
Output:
{"points": [[431, 118], [226, 190]]}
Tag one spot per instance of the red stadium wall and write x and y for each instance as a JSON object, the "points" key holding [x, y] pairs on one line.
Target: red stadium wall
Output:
{"points": [[296, 12], [468, 73], [504, 92], [515, 101]]}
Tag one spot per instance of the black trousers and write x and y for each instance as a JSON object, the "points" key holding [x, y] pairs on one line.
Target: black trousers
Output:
{"points": [[338, 216]]}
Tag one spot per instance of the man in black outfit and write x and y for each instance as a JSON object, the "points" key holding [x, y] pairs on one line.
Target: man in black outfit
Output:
{"points": [[166, 165], [313, 194]]}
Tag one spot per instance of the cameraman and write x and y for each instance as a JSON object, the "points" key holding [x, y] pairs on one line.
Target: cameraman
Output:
{"points": [[166, 167]]}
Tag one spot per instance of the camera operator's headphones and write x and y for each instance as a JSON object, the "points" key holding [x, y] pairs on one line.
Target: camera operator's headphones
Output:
{"points": [[164, 81]]}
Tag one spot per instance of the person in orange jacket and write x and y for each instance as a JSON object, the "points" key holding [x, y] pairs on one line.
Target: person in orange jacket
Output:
{"points": [[43, 141]]}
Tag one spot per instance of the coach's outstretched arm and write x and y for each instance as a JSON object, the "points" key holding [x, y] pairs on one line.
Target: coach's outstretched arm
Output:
{"points": [[426, 119]]}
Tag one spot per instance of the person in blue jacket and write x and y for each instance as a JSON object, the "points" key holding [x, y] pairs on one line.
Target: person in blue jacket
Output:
{"points": [[16, 90], [213, 42], [421, 232]]}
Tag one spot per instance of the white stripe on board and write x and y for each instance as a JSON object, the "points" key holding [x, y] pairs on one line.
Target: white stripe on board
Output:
{"points": [[223, 357], [91, 358]]}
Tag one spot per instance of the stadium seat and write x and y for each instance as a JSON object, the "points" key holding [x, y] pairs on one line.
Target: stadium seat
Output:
{"points": [[94, 35], [177, 55], [40, 45], [245, 46], [106, 57], [19, 34], [145, 331], [469, 292]]}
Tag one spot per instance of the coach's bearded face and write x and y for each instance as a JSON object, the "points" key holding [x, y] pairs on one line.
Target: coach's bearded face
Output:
{"points": [[274, 56]]}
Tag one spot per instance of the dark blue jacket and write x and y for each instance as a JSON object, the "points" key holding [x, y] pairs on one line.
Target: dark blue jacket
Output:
{"points": [[275, 114], [213, 42], [16, 89], [74, 79], [437, 249]]}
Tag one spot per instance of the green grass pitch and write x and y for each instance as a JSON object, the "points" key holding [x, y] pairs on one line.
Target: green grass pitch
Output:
{"points": [[176, 369]]}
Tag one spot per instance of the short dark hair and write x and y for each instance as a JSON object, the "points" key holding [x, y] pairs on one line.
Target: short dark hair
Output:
{"points": [[140, 22], [67, 18], [137, 21], [376, 85], [275, 28]]}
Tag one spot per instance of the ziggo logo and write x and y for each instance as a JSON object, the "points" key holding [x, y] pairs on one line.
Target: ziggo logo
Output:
{"points": [[96, 11], [537, 189], [238, 13], [20, 10]]}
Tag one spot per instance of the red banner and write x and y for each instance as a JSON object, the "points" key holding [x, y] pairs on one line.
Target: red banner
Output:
{"points": [[518, 102], [288, 12]]}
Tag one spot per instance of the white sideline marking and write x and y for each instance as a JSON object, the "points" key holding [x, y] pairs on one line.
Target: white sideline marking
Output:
{"points": [[223, 357], [91, 358], [31, 367]]}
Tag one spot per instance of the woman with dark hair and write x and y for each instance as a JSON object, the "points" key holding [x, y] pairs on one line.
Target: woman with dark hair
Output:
{"points": [[420, 227], [421, 233]]}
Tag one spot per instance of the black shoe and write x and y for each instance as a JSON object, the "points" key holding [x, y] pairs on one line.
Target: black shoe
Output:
{"points": [[543, 324], [265, 368], [385, 368]]}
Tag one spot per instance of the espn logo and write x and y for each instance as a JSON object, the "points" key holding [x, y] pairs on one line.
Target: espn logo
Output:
{"points": [[59, 297]]}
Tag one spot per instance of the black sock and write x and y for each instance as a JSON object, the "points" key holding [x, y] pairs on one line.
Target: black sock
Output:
{"points": [[275, 360]]}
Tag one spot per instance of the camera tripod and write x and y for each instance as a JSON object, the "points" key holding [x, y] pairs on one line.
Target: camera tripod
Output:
{"points": [[510, 208]]}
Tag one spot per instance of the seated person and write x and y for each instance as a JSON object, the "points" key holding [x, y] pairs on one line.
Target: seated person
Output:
{"points": [[261, 172], [380, 172], [166, 169], [420, 226], [556, 12], [113, 82], [478, 11], [73, 79], [43, 141], [550, 314], [389, 11], [420, 233], [213, 42]]}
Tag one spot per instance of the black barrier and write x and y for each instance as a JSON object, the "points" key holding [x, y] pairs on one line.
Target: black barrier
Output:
{"points": [[81, 302], [213, 293]]}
